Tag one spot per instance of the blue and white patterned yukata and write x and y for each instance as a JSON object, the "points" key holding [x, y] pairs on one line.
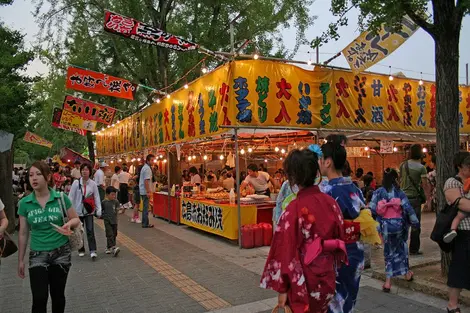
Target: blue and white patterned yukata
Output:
{"points": [[350, 200], [394, 231]]}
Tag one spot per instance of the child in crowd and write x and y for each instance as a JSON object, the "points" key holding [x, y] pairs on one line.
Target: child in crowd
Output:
{"points": [[67, 186], [460, 216], [110, 208], [134, 196]]}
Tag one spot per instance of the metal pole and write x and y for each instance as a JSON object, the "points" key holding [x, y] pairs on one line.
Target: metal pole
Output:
{"points": [[169, 185], [466, 73], [318, 54], [237, 168], [232, 39]]}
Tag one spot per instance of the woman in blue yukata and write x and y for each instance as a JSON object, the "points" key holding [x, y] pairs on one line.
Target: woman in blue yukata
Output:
{"points": [[395, 214], [350, 201]]}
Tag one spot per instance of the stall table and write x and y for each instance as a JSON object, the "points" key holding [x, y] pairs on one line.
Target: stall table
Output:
{"points": [[160, 207], [222, 219]]}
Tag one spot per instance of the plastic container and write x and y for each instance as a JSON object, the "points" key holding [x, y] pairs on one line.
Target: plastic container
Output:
{"points": [[232, 196], [248, 240], [258, 233], [267, 234]]}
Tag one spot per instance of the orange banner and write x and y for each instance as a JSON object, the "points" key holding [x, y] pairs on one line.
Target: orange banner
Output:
{"points": [[99, 83], [37, 140], [89, 110]]}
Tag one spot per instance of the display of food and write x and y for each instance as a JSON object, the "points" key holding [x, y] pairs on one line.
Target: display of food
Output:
{"points": [[217, 196]]}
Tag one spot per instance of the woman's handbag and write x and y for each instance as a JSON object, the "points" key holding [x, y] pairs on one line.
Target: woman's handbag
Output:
{"points": [[88, 202], [7, 246], [277, 309], [76, 238], [443, 224]]}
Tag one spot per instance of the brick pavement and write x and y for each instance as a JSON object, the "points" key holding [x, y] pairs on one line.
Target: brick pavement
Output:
{"points": [[158, 272]]}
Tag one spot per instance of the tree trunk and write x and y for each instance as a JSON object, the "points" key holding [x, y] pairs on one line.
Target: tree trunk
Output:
{"points": [[91, 147], [6, 187], [447, 113]]}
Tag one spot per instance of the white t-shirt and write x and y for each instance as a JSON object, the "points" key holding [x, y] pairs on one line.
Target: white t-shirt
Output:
{"points": [[260, 183], [2, 206], [195, 179], [99, 177], [124, 177], [145, 173], [115, 181], [75, 173], [228, 183]]}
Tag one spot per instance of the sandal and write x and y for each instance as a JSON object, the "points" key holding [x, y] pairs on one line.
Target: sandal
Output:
{"points": [[387, 290], [411, 277], [456, 310]]}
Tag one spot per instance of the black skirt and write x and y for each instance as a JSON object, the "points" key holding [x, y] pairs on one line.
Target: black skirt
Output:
{"points": [[123, 193], [459, 269]]}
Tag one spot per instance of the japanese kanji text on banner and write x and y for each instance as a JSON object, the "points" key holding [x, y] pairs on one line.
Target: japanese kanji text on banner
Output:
{"points": [[75, 121], [56, 116], [99, 83], [38, 140], [89, 110], [371, 47]]}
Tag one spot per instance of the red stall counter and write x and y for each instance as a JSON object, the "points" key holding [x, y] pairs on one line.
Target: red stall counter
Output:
{"points": [[160, 207]]}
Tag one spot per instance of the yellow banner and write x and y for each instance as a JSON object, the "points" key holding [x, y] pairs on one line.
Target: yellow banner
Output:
{"points": [[373, 102], [217, 219], [76, 121], [38, 140], [270, 93], [370, 48]]}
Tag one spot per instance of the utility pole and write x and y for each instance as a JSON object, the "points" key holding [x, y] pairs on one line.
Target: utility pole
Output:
{"points": [[232, 39]]}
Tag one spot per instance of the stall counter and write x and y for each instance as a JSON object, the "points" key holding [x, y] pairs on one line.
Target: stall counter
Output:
{"points": [[160, 207], [219, 219]]}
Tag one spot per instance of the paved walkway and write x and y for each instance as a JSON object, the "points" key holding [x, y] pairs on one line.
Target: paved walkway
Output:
{"points": [[177, 269]]}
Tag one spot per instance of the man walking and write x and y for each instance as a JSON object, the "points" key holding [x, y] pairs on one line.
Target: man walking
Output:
{"points": [[99, 179], [413, 182], [145, 189], [76, 171]]}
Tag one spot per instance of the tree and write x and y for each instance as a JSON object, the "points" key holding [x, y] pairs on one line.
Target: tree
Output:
{"points": [[15, 106], [444, 27]]}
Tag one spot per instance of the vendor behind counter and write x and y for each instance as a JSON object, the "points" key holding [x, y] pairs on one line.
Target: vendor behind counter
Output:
{"points": [[258, 179]]}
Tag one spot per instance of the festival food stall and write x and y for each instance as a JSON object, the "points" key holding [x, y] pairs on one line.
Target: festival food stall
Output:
{"points": [[243, 97]]}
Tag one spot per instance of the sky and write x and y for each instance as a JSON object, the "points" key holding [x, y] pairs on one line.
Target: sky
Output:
{"points": [[414, 57]]}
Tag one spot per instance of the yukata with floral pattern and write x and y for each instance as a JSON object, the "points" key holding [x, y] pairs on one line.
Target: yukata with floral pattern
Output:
{"points": [[311, 216], [350, 201], [394, 231]]}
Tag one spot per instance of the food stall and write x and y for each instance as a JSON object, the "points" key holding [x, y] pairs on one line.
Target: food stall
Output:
{"points": [[225, 110]]}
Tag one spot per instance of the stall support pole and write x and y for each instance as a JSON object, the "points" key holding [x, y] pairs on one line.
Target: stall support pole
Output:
{"points": [[237, 181], [169, 187]]}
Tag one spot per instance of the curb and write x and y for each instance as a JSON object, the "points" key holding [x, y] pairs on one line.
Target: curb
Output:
{"points": [[421, 285]]}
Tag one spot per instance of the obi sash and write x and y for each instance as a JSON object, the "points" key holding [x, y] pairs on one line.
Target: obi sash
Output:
{"points": [[319, 246]]}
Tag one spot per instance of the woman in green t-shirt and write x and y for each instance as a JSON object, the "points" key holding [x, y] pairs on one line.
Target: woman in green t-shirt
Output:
{"points": [[50, 256]]}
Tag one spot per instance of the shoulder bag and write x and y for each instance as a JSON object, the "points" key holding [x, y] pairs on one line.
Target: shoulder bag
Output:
{"points": [[76, 239], [419, 189], [7, 246], [88, 202]]}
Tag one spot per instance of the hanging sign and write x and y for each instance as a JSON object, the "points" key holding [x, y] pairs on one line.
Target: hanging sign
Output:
{"points": [[357, 152], [99, 83], [386, 146], [37, 140], [56, 115], [75, 121], [133, 29], [371, 47], [89, 110]]}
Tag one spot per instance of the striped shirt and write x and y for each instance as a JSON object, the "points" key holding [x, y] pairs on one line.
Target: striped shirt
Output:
{"points": [[453, 183]]}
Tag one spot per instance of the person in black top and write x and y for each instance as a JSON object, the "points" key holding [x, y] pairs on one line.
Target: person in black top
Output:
{"points": [[110, 208]]}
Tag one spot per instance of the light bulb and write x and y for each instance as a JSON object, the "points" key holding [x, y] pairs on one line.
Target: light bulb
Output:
{"points": [[133, 160], [186, 86], [204, 70], [283, 151], [242, 151], [205, 157], [368, 156], [158, 100], [281, 158], [221, 157], [120, 160], [309, 62], [109, 126], [118, 122], [164, 161], [189, 158], [276, 149], [161, 156], [112, 161], [138, 159], [256, 56], [425, 150], [250, 150], [168, 96], [390, 78], [395, 149], [112, 125], [194, 157], [421, 82], [102, 129], [68, 161], [366, 148], [155, 161]]}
